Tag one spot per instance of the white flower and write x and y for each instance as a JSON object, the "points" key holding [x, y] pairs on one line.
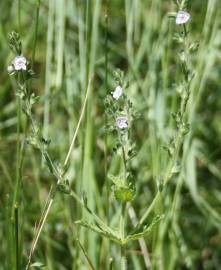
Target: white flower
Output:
{"points": [[122, 122], [10, 69], [20, 63], [117, 92], [182, 17]]}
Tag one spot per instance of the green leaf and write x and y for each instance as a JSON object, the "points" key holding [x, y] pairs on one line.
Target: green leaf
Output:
{"points": [[100, 230], [38, 265], [143, 231]]}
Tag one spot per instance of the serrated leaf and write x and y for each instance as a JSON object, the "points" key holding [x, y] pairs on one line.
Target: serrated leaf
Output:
{"points": [[100, 230], [145, 230], [99, 222]]}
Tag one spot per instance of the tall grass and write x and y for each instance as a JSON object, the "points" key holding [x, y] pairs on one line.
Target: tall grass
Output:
{"points": [[75, 46]]}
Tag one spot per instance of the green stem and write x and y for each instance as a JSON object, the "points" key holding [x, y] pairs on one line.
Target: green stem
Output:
{"points": [[122, 220], [18, 155], [19, 16], [106, 46], [178, 144], [35, 33], [16, 238], [40, 227], [18, 150], [123, 260], [105, 116], [122, 235], [149, 209], [185, 30], [124, 161], [178, 140], [120, 137], [123, 212], [88, 38]]}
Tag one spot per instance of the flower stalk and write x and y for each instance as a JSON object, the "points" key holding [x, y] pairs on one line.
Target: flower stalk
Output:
{"points": [[182, 127]]}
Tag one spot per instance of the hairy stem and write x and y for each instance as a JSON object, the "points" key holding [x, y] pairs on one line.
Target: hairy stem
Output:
{"points": [[122, 235]]}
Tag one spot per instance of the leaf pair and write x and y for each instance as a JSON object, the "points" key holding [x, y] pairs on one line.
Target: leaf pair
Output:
{"points": [[114, 235]]}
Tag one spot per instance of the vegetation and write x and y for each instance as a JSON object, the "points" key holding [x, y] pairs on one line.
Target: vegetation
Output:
{"points": [[110, 134]]}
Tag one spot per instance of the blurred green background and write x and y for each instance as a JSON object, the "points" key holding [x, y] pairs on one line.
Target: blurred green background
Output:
{"points": [[70, 49]]}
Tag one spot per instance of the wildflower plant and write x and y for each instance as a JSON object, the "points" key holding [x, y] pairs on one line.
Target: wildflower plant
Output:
{"points": [[120, 115], [174, 146], [19, 68]]}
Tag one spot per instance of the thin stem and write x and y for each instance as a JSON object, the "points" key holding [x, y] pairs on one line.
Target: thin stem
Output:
{"points": [[87, 38], [122, 235], [78, 125], [123, 153], [185, 30], [178, 139], [35, 33], [124, 161], [106, 46], [49, 53], [86, 255], [149, 209], [123, 211], [16, 238], [146, 255], [97, 219], [19, 16], [122, 221], [123, 260], [105, 116], [18, 155], [178, 144], [38, 234]]}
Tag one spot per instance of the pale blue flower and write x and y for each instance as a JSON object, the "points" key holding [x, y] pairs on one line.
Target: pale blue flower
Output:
{"points": [[122, 122], [182, 17], [20, 63]]}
